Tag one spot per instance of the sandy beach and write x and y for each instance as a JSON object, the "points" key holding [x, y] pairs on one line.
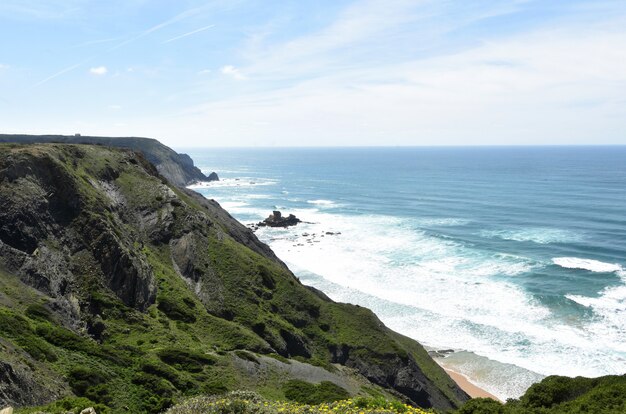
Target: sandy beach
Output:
{"points": [[473, 390]]}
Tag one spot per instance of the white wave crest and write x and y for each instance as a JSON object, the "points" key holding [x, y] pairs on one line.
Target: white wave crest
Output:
{"points": [[539, 235], [591, 265], [441, 222], [231, 182], [322, 203]]}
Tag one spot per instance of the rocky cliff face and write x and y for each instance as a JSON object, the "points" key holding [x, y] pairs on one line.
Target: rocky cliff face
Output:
{"points": [[177, 168], [117, 286]]}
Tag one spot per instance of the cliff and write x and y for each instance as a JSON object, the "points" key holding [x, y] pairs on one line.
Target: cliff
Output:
{"points": [[122, 288], [177, 168]]}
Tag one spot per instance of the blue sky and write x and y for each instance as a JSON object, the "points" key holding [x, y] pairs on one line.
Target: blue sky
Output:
{"points": [[306, 73]]}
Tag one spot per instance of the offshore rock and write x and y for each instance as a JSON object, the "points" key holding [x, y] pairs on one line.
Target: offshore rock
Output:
{"points": [[276, 219]]}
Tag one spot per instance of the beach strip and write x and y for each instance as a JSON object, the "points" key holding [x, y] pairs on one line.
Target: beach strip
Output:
{"points": [[471, 389]]}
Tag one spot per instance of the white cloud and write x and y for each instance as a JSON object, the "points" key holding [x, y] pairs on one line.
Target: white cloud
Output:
{"points": [[233, 72], [3, 66], [204, 72], [99, 70], [551, 86], [115, 107]]}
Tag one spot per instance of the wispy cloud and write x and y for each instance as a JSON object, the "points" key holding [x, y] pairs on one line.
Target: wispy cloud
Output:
{"points": [[99, 70], [233, 72], [95, 42], [202, 29], [339, 84], [3, 66], [179, 17], [59, 73]]}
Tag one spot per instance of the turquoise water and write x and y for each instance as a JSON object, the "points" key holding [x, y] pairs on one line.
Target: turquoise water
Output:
{"points": [[515, 257]]}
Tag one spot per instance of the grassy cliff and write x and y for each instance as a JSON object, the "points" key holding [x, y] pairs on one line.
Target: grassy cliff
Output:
{"points": [[561, 395], [121, 290], [177, 168]]}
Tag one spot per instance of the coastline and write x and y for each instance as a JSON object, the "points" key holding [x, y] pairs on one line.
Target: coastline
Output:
{"points": [[466, 385]]}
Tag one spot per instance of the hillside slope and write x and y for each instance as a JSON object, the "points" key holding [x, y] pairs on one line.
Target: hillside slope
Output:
{"points": [[177, 168], [119, 287], [560, 395]]}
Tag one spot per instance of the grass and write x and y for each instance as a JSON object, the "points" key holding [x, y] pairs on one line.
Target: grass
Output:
{"points": [[560, 395], [306, 393], [144, 358]]}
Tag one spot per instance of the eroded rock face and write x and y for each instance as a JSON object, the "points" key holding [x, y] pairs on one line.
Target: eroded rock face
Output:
{"points": [[46, 219], [400, 373], [187, 258], [18, 387]]}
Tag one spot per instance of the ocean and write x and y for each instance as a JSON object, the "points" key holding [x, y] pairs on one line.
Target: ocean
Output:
{"points": [[513, 257]]}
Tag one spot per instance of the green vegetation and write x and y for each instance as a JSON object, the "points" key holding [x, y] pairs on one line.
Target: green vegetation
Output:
{"points": [[147, 296], [66, 405], [312, 394], [250, 403], [560, 395]]}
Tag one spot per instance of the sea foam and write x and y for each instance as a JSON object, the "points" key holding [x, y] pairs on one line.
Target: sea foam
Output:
{"points": [[441, 292], [588, 264], [539, 235], [322, 203], [231, 182]]}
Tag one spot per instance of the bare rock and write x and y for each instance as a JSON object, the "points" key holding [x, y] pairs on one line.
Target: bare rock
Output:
{"points": [[276, 219]]}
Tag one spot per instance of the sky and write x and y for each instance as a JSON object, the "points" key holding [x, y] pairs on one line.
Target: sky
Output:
{"points": [[317, 73]]}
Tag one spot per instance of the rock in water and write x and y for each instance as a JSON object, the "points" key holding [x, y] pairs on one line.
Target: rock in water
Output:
{"points": [[276, 219], [213, 176]]}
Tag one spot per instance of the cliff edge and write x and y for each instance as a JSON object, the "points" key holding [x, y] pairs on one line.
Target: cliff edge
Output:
{"points": [[121, 288], [177, 168]]}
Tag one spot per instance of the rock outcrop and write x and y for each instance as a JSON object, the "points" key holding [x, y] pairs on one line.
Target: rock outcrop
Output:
{"points": [[138, 290], [276, 219]]}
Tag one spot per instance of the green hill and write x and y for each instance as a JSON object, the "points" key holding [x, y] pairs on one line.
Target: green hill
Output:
{"points": [[561, 395], [121, 290], [177, 168]]}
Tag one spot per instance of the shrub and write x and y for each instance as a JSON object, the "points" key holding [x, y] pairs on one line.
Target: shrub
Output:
{"points": [[482, 406], [90, 384], [245, 355], [177, 311], [307, 393], [166, 372], [37, 311], [72, 405], [185, 360]]}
